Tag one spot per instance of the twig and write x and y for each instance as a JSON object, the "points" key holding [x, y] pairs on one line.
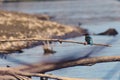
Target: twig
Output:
{"points": [[53, 40]]}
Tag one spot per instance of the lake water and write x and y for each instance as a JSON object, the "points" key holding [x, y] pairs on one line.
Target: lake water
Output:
{"points": [[95, 15]]}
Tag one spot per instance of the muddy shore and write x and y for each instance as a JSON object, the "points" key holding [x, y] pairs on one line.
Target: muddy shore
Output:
{"points": [[14, 25]]}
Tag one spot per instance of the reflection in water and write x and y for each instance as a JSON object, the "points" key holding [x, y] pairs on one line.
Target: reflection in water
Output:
{"points": [[49, 52], [12, 59], [3, 56], [16, 61]]}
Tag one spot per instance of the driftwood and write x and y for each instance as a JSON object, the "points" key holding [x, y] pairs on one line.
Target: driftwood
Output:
{"points": [[53, 40], [8, 73], [25, 72], [45, 67]]}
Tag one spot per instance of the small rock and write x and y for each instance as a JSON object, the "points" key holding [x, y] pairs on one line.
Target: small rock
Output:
{"points": [[110, 32], [7, 66]]}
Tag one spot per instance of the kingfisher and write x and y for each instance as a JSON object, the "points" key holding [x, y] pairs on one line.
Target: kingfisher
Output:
{"points": [[88, 39]]}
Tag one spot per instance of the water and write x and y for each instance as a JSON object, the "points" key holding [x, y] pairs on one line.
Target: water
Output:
{"points": [[71, 12], [95, 15]]}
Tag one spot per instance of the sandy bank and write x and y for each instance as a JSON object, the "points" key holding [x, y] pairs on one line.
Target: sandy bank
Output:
{"points": [[15, 25]]}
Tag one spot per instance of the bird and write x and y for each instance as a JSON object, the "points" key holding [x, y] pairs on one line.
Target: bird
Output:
{"points": [[88, 39]]}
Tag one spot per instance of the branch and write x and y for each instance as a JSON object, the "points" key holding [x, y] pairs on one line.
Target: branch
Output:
{"points": [[53, 40], [25, 75], [45, 67], [7, 77]]}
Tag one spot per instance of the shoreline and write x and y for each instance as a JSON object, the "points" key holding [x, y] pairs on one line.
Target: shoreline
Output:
{"points": [[24, 25]]}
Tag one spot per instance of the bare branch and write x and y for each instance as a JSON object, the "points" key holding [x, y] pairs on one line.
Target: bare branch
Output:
{"points": [[21, 75], [7, 77], [44, 67], [53, 40]]}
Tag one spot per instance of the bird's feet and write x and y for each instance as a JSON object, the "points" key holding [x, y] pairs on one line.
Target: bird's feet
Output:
{"points": [[85, 43]]}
